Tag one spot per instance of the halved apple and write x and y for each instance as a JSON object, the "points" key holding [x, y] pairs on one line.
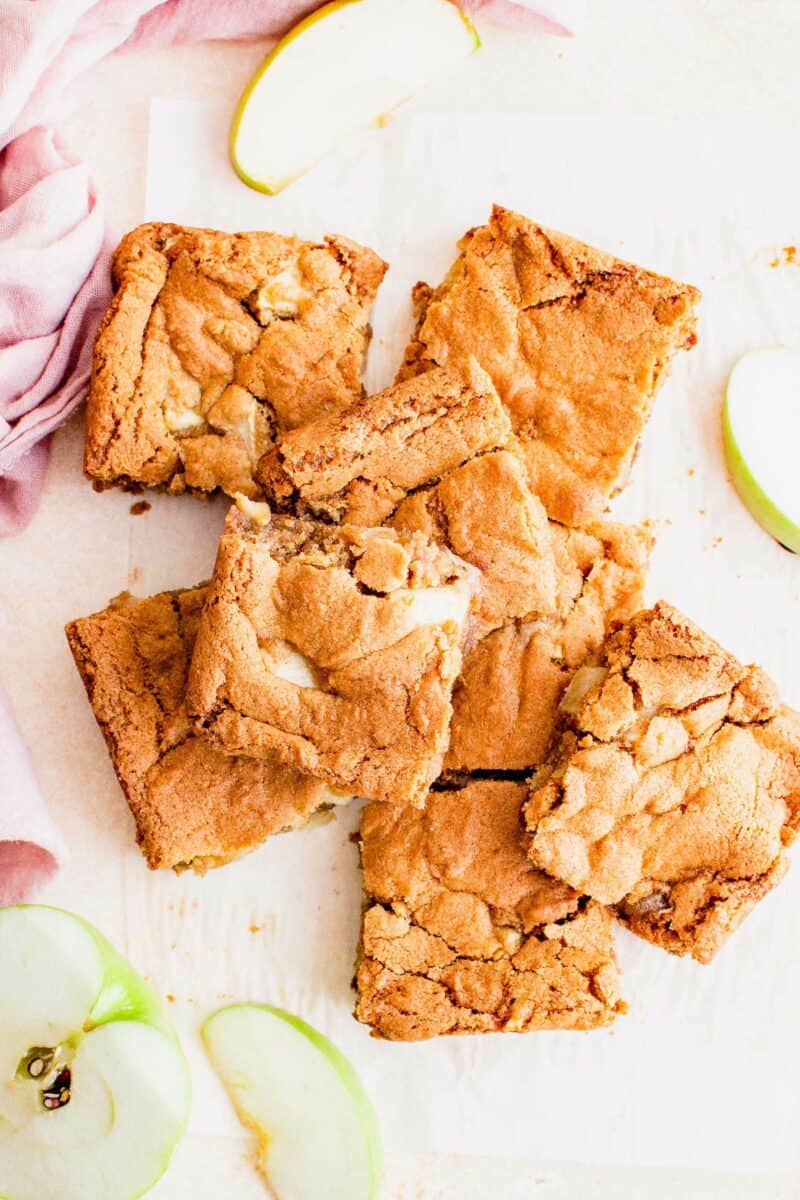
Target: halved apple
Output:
{"points": [[316, 1128], [346, 65], [94, 1088], [761, 433]]}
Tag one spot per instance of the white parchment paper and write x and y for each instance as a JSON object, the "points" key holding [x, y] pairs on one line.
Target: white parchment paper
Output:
{"points": [[695, 1093]]}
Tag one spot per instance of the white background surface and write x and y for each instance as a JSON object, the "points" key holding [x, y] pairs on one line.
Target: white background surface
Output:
{"points": [[701, 1077]]}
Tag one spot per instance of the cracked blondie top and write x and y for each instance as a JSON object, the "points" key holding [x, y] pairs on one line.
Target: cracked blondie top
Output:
{"points": [[334, 648], [506, 701], [462, 935], [676, 785], [485, 512], [419, 457], [575, 341], [215, 341], [359, 464], [193, 806]]}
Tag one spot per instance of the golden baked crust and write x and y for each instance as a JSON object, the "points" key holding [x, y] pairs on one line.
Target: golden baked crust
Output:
{"points": [[419, 457], [193, 806], [357, 465], [485, 512], [575, 341], [214, 341], [334, 648], [461, 935], [676, 785], [505, 703]]}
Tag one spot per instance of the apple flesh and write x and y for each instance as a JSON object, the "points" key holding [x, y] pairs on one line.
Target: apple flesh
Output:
{"points": [[316, 1128], [761, 432], [94, 1088], [343, 67]]}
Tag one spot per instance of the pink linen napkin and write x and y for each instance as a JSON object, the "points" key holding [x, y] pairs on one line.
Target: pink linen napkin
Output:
{"points": [[559, 17], [54, 286], [30, 848]]}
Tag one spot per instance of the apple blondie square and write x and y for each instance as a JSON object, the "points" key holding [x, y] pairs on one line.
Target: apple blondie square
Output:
{"points": [[334, 648], [506, 700], [485, 512], [422, 457], [575, 340], [460, 934], [675, 786], [193, 805], [358, 464], [215, 341]]}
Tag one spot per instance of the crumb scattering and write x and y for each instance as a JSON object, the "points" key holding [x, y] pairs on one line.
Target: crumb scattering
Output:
{"points": [[785, 257]]}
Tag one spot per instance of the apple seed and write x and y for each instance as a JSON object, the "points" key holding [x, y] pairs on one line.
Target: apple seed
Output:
{"points": [[57, 1094], [36, 1062]]}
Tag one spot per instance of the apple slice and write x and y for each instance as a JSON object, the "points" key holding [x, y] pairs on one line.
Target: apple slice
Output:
{"points": [[344, 66], [94, 1088], [316, 1128], [761, 432]]}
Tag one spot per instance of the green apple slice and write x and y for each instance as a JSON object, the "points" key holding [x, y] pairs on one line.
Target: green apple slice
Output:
{"points": [[94, 1088], [344, 66], [761, 432], [316, 1128]]}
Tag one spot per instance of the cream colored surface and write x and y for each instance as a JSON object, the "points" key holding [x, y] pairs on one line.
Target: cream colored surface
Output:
{"points": [[695, 1093]]}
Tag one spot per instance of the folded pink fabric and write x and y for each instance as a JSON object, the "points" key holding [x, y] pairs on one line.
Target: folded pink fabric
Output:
{"points": [[54, 285], [559, 17], [30, 848]]}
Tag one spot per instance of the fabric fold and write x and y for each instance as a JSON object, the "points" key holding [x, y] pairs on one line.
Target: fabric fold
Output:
{"points": [[54, 286], [30, 847]]}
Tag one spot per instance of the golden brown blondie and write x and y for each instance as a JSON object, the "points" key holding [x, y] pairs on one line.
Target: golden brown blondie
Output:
{"points": [[675, 787], [506, 701], [462, 935], [357, 465], [485, 512], [422, 456], [575, 341], [334, 648], [193, 805], [215, 341]]}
